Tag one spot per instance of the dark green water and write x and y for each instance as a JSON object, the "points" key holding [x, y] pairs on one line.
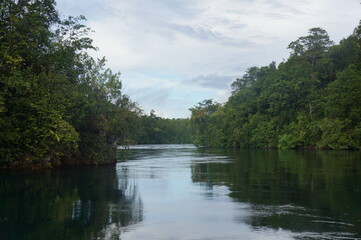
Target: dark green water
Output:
{"points": [[181, 192]]}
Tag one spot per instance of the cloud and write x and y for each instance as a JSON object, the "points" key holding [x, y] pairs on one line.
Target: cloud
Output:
{"points": [[287, 8], [175, 53], [208, 34], [212, 81], [155, 97]]}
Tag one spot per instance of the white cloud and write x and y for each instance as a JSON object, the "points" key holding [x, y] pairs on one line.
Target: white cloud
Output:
{"points": [[212, 81], [159, 46]]}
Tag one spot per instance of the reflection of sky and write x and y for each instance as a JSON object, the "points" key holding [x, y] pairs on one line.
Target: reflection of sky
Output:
{"points": [[173, 54], [190, 193], [176, 208]]}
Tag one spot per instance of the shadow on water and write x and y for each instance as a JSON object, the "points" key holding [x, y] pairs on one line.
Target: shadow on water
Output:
{"points": [[87, 203], [314, 193]]}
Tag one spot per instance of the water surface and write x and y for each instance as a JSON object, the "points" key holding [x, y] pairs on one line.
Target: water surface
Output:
{"points": [[183, 192]]}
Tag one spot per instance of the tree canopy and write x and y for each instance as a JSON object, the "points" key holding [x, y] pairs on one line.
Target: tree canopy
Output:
{"points": [[58, 105], [312, 100]]}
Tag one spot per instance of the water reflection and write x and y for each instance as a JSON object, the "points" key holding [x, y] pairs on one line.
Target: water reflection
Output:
{"points": [[314, 194], [189, 194], [91, 203]]}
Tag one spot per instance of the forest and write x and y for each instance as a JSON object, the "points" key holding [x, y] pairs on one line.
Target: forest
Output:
{"points": [[311, 101], [158, 130], [60, 106]]}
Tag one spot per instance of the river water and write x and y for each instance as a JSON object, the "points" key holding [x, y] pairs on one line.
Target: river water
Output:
{"points": [[182, 192]]}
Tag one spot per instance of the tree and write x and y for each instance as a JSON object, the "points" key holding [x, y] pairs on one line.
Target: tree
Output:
{"points": [[59, 106], [312, 100], [157, 130], [312, 46]]}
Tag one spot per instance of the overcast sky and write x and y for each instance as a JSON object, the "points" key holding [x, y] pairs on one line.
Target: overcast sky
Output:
{"points": [[174, 53]]}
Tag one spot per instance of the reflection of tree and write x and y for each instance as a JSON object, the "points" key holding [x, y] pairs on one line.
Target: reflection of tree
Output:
{"points": [[146, 153], [67, 204], [325, 183]]}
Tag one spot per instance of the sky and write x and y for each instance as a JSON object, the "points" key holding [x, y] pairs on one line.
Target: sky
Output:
{"points": [[173, 54]]}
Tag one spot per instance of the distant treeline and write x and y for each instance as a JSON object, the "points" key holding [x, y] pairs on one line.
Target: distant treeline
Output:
{"points": [[157, 130], [312, 100]]}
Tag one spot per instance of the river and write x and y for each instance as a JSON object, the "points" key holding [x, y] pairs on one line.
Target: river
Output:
{"points": [[181, 192]]}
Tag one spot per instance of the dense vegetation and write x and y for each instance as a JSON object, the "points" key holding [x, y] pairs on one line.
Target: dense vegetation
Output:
{"points": [[157, 130], [58, 105], [312, 100]]}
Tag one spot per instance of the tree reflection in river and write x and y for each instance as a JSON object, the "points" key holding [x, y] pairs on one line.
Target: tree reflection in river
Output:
{"points": [[90, 203], [313, 191], [189, 193]]}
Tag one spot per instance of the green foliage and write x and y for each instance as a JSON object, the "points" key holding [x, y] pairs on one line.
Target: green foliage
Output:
{"points": [[289, 141], [312, 100], [343, 95], [58, 106], [207, 118], [157, 130], [304, 132], [336, 134]]}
